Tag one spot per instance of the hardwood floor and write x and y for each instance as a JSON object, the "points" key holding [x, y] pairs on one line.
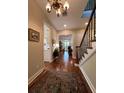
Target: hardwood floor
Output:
{"points": [[62, 65]]}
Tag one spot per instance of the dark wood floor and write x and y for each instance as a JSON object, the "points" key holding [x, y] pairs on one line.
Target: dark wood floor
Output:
{"points": [[63, 63], [66, 64]]}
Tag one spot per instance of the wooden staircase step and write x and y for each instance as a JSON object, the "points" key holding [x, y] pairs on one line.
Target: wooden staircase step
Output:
{"points": [[90, 47], [93, 40]]}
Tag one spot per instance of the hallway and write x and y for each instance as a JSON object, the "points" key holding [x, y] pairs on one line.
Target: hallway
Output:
{"points": [[60, 76]]}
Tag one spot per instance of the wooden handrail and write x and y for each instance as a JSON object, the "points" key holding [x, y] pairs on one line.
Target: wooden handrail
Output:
{"points": [[88, 25], [88, 37]]}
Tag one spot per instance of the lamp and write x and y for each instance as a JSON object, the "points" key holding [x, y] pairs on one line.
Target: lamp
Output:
{"points": [[57, 6]]}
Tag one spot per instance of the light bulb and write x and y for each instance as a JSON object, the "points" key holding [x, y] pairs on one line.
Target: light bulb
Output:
{"points": [[86, 23], [65, 25], [58, 12], [48, 7], [66, 5]]}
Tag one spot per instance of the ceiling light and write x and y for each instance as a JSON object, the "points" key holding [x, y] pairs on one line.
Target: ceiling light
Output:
{"points": [[65, 25], [86, 23], [57, 6]]}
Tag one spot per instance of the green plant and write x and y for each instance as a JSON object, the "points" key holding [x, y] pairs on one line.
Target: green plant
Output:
{"points": [[55, 53]]}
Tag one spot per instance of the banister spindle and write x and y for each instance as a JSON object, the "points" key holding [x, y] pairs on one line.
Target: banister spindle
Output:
{"points": [[91, 28], [94, 27], [89, 35]]}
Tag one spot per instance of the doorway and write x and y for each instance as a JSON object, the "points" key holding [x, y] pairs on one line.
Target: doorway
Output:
{"points": [[47, 44], [66, 41]]}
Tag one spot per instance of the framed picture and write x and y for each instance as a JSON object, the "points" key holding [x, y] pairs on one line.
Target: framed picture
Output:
{"points": [[33, 35]]}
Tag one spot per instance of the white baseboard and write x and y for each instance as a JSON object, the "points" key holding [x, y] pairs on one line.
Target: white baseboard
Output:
{"points": [[49, 61], [88, 80], [35, 75]]}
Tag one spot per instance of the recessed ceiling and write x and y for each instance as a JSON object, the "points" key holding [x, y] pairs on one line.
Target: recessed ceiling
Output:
{"points": [[73, 20]]}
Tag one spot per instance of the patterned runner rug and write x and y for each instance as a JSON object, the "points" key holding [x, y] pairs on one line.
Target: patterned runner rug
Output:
{"points": [[59, 82]]}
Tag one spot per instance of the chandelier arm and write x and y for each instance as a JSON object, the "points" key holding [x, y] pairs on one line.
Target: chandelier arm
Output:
{"points": [[61, 4], [58, 6], [48, 0]]}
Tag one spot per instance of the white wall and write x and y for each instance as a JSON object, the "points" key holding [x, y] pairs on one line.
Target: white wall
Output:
{"points": [[89, 68]]}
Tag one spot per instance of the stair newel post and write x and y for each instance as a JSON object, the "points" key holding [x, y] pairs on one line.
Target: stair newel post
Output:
{"points": [[78, 53], [83, 48]]}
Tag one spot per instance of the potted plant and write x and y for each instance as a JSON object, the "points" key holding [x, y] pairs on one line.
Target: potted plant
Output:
{"points": [[55, 53]]}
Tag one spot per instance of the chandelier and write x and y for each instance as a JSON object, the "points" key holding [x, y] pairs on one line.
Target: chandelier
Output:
{"points": [[57, 6]]}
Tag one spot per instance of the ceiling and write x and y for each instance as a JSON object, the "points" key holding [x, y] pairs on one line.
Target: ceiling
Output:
{"points": [[73, 20]]}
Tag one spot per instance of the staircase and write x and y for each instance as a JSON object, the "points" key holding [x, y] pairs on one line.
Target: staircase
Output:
{"points": [[87, 48], [88, 43]]}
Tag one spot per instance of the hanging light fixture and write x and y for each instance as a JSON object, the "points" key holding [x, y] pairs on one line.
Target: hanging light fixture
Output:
{"points": [[58, 12], [48, 7], [66, 5], [57, 6]]}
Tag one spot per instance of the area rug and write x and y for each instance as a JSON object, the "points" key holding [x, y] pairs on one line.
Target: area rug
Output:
{"points": [[59, 82]]}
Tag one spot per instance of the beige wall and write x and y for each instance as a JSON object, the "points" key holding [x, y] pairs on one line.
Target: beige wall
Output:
{"points": [[77, 35], [90, 69], [36, 19]]}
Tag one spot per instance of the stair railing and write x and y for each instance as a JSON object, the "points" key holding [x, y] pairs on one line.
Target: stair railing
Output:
{"points": [[88, 37]]}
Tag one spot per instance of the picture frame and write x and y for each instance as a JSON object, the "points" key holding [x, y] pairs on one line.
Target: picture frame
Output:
{"points": [[33, 35]]}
